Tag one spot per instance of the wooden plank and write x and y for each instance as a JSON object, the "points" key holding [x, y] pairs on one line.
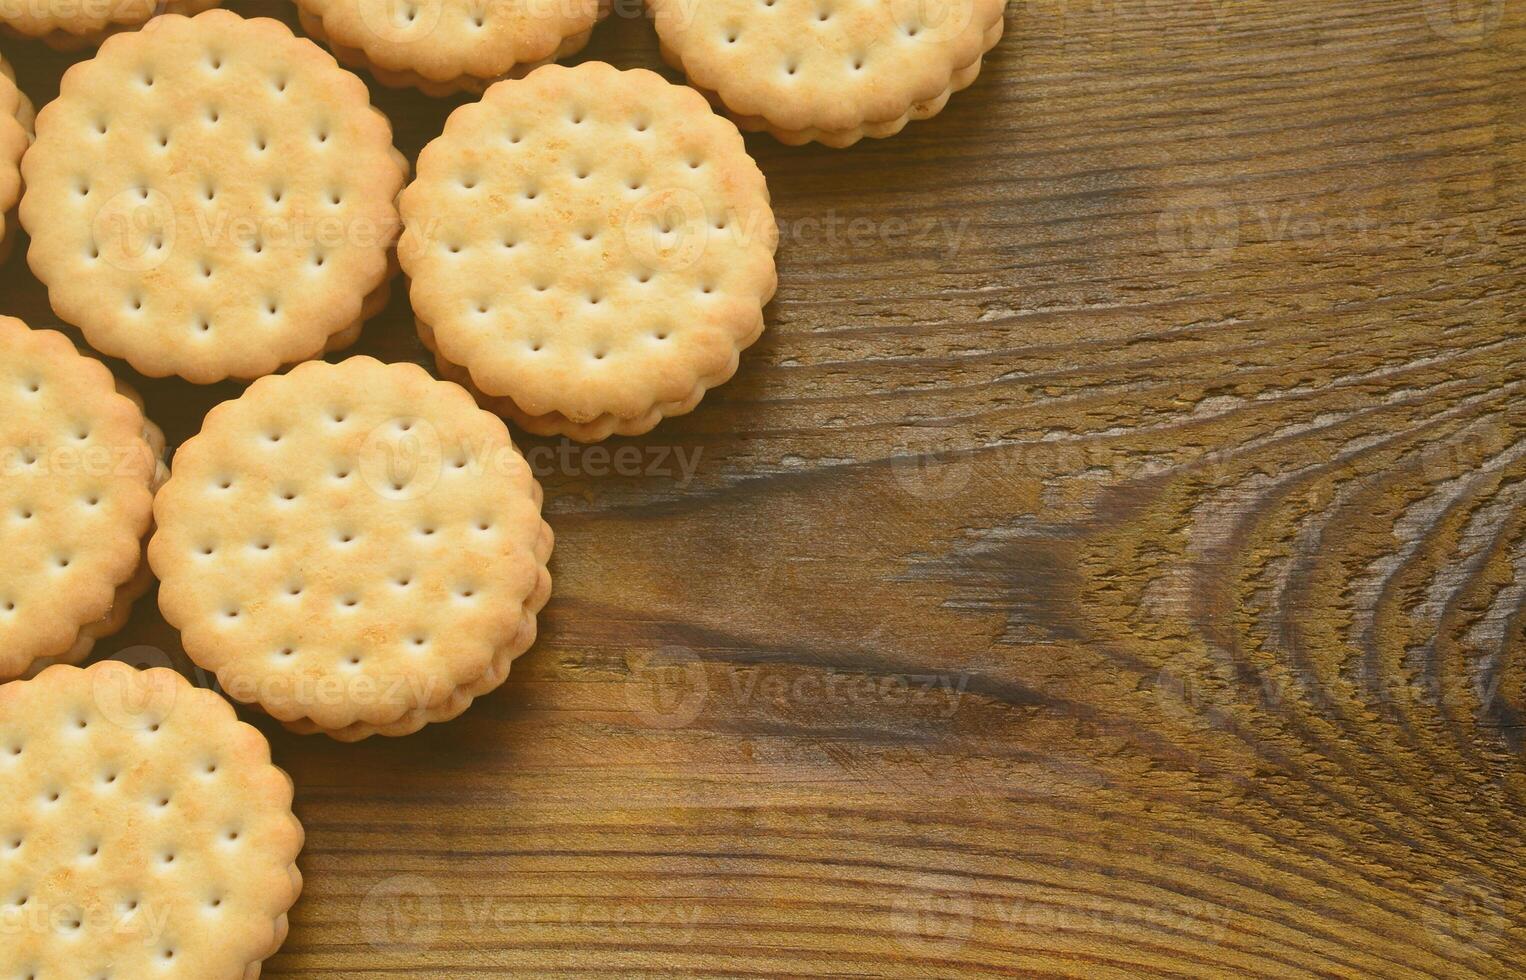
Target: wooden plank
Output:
{"points": [[1110, 562]]}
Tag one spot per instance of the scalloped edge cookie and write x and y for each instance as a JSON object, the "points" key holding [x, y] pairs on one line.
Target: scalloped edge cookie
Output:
{"points": [[16, 116], [81, 32], [806, 120], [730, 207], [443, 81], [138, 702], [50, 211], [129, 580], [186, 607]]}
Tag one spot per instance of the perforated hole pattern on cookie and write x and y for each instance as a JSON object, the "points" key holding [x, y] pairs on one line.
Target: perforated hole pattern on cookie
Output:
{"points": [[828, 64], [175, 831], [443, 44], [74, 497], [321, 526], [604, 227], [170, 236]]}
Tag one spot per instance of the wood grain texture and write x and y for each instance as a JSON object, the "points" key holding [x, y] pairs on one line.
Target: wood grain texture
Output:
{"points": [[1110, 563]]}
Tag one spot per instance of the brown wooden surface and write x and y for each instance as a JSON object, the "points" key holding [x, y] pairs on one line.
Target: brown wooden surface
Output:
{"points": [[1110, 563]]}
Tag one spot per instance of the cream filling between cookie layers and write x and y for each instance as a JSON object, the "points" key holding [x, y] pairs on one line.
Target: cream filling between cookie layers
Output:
{"points": [[461, 698], [357, 60], [961, 79], [600, 427]]}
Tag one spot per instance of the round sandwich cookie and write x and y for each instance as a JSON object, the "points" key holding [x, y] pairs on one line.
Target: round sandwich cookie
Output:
{"points": [[79, 465], [72, 25], [446, 46], [144, 831], [15, 136], [830, 71], [590, 250], [213, 198], [357, 548]]}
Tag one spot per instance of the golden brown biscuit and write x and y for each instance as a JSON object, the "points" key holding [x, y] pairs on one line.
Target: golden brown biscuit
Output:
{"points": [[144, 831], [212, 197], [590, 249], [15, 137], [446, 46], [78, 468], [832, 71], [72, 25], [357, 548]]}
